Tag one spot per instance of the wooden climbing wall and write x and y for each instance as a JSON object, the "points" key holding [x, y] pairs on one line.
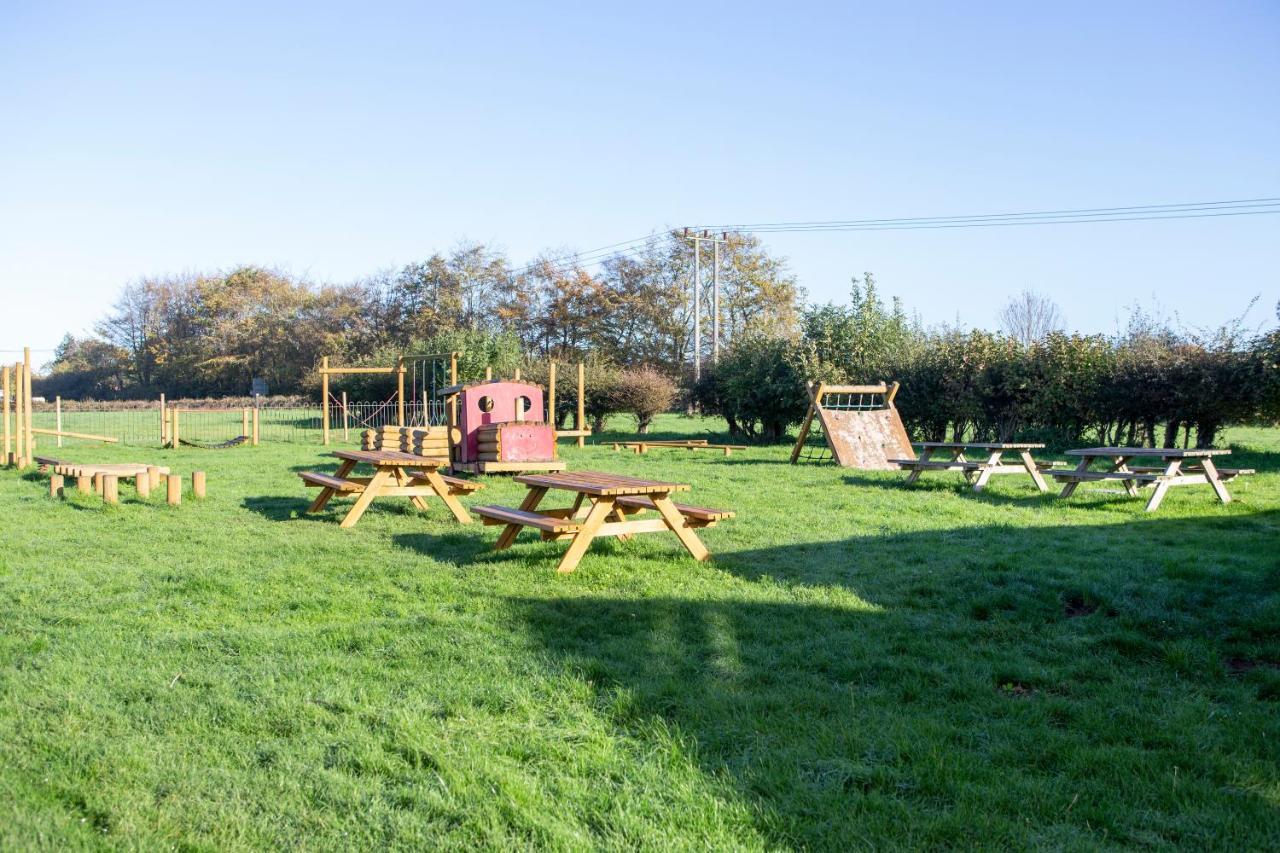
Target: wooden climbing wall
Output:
{"points": [[866, 439]]}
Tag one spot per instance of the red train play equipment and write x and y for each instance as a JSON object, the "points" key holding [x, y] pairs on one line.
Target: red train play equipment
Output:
{"points": [[499, 428]]}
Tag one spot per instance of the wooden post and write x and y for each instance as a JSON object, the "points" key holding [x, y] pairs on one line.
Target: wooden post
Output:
{"points": [[8, 400], [111, 488], [400, 392], [346, 419], [551, 395], [582, 403], [174, 490], [143, 483], [453, 380], [174, 434], [19, 448], [153, 477], [488, 373], [26, 390], [197, 484], [164, 423], [324, 400], [57, 412], [97, 484], [84, 484], [244, 422], [55, 486], [256, 431], [517, 374]]}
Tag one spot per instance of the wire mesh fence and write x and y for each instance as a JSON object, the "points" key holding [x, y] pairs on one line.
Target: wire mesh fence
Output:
{"points": [[211, 426]]}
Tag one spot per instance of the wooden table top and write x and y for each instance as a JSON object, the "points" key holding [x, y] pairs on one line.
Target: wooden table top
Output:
{"points": [[1161, 452], [599, 483], [983, 445], [389, 458]]}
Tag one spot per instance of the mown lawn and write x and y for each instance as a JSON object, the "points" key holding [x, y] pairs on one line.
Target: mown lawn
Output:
{"points": [[863, 665]]}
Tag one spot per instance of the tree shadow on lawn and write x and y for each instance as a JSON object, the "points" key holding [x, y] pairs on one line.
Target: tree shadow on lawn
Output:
{"points": [[1009, 686]]}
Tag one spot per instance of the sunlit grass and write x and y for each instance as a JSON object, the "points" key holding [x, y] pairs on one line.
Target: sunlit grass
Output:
{"points": [[861, 665]]}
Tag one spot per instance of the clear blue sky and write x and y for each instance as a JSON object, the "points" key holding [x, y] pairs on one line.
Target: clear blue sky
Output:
{"points": [[336, 140]]}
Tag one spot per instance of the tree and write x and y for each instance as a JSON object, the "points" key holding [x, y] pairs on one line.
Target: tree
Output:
{"points": [[1029, 317]]}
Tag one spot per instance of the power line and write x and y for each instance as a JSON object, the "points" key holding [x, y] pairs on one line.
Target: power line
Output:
{"points": [[1187, 210]]}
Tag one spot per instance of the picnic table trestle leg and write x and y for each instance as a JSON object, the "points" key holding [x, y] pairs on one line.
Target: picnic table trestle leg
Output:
{"points": [[326, 493], [676, 521], [600, 510], [1030, 464], [529, 504], [1215, 480], [365, 498]]}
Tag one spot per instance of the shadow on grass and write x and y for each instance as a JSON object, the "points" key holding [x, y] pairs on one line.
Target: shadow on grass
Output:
{"points": [[987, 685]]}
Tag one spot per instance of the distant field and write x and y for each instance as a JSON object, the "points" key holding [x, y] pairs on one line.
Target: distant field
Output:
{"points": [[863, 665]]}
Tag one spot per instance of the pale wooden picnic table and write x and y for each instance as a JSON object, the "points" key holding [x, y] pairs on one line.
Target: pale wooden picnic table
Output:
{"points": [[603, 506], [396, 474], [977, 472], [1163, 477]]}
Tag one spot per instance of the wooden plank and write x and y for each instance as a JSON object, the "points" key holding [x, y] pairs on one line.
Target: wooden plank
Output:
{"points": [[329, 481], [506, 515], [87, 436], [1151, 452], [699, 512], [1085, 476]]}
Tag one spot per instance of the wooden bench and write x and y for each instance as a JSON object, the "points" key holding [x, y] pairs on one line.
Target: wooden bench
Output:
{"points": [[977, 471], [457, 485], [641, 447], [696, 516], [538, 521], [329, 481]]}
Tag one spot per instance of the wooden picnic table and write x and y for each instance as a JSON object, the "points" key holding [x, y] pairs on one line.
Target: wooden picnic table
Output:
{"points": [[641, 447], [603, 506], [396, 474], [1171, 472], [977, 472]]}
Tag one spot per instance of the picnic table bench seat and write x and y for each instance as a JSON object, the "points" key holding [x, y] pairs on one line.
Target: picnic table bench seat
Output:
{"points": [[492, 514], [328, 481], [696, 516]]}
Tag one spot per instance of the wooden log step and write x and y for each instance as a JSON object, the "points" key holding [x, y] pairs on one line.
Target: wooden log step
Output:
{"points": [[506, 515], [317, 478], [701, 513]]}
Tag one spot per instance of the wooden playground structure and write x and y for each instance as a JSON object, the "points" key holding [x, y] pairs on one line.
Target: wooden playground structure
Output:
{"points": [[860, 425], [19, 430], [511, 435], [171, 426]]}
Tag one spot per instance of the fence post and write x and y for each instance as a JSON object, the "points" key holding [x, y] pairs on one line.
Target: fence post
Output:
{"points": [[346, 419], [582, 403], [453, 380], [174, 435], [19, 418], [164, 423], [255, 426], [26, 389], [57, 411], [324, 400], [4, 392], [400, 392], [244, 422], [551, 395]]}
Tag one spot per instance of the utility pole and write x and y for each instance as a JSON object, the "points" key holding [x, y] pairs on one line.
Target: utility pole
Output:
{"points": [[698, 240]]}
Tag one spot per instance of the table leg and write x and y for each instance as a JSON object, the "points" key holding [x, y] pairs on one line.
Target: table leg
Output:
{"points": [[326, 493], [1122, 465], [1211, 474], [984, 474], [677, 524], [916, 472], [380, 478], [403, 479], [529, 504], [600, 510], [1162, 486], [441, 489], [1083, 465], [1030, 464]]}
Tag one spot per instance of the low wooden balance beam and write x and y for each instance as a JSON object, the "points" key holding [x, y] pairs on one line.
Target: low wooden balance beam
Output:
{"points": [[642, 447]]}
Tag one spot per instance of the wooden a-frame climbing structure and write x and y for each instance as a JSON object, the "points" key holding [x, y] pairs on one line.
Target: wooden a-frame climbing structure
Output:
{"points": [[860, 424]]}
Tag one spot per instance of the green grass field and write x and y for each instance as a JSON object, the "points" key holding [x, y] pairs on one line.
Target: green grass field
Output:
{"points": [[862, 665]]}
